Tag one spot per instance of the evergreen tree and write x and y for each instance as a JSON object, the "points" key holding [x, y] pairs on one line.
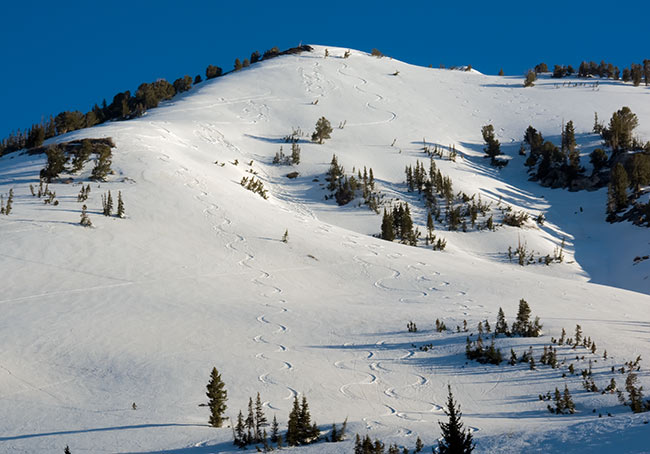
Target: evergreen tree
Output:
{"points": [[387, 232], [639, 171], [618, 134], [56, 160], [501, 326], [493, 148], [249, 423], [275, 430], [255, 57], [260, 418], [530, 79], [217, 397], [85, 220], [66, 450], [568, 138], [292, 436], [520, 326], [295, 153], [213, 71], [183, 84], [323, 130], [102, 165], [81, 155], [240, 431], [455, 439], [618, 187], [120, 205], [598, 159], [238, 64]]}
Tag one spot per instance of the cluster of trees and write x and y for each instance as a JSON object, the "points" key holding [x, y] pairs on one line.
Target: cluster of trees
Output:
{"points": [[485, 355], [255, 186], [123, 107], [636, 73], [300, 430], [252, 429], [552, 165], [346, 188], [563, 402], [365, 445], [78, 153], [107, 204], [625, 171], [461, 210], [397, 223], [293, 159]]}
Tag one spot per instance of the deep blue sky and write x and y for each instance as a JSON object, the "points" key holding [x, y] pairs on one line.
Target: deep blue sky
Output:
{"points": [[67, 55]]}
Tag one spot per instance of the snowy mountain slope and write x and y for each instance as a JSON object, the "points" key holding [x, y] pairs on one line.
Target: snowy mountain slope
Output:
{"points": [[139, 310]]}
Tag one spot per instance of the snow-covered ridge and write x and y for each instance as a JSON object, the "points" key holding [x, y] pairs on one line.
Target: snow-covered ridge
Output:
{"points": [[140, 309]]}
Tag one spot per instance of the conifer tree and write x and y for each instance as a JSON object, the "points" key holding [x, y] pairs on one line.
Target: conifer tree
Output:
{"points": [[618, 187], [260, 418], [249, 423], [240, 431], [493, 148], [217, 397], [275, 430], [501, 326], [56, 160], [531, 77], [455, 439], [387, 232], [238, 64], [81, 156], [85, 220], [66, 450], [520, 325], [292, 436], [323, 130], [102, 165], [120, 205]]}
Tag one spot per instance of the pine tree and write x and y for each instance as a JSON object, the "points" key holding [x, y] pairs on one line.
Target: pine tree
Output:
{"points": [[240, 431], [567, 401], [102, 165], [295, 153], [292, 435], [66, 450], [419, 446], [120, 205], [531, 77], [618, 187], [85, 220], [275, 430], [387, 232], [520, 326], [81, 156], [56, 160], [285, 237], [323, 130], [493, 148], [249, 423], [260, 418], [238, 64], [501, 326], [455, 439], [217, 397]]}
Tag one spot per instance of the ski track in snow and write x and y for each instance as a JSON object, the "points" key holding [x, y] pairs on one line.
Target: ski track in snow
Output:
{"points": [[379, 97]]}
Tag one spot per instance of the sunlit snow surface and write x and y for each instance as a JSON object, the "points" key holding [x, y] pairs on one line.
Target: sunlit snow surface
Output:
{"points": [[140, 310]]}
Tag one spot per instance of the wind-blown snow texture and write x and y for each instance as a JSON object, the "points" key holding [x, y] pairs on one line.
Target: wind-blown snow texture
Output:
{"points": [[140, 310]]}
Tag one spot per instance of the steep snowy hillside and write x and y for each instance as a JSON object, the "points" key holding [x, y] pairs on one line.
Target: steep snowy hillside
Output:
{"points": [[139, 310]]}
